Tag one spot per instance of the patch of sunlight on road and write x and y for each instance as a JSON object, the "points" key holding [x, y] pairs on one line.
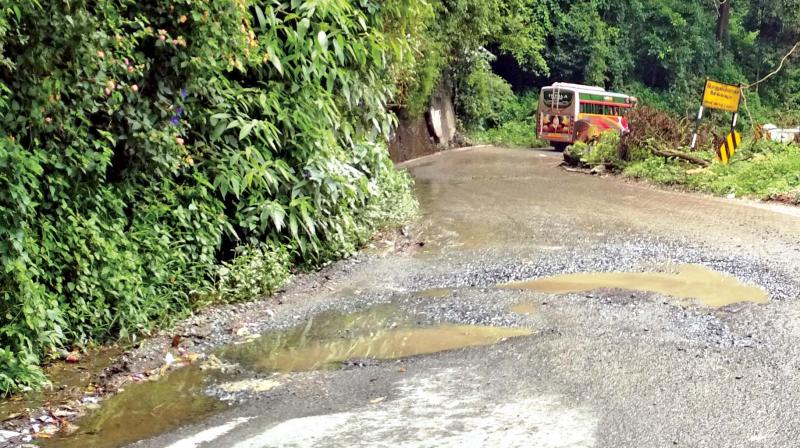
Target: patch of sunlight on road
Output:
{"points": [[435, 412], [688, 282], [382, 332], [209, 435]]}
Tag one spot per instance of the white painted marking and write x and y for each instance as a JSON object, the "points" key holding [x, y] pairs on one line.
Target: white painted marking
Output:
{"points": [[209, 435], [440, 412]]}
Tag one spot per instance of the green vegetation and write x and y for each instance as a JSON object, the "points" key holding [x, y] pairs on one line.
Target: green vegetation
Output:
{"points": [[661, 52], [510, 122], [761, 169], [455, 54], [766, 175], [144, 144]]}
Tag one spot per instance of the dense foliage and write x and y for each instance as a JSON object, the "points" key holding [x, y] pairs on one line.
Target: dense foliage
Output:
{"points": [[510, 122], [663, 50], [142, 142], [659, 51], [459, 42]]}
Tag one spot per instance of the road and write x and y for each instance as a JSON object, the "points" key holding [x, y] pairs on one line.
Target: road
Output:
{"points": [[601, 368]]}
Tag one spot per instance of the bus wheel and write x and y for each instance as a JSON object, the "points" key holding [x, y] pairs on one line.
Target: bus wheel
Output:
{"points": [[559, 146]]}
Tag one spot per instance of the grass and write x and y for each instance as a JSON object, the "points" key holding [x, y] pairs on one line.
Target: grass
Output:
{"points": [[762, 171], [515, 134]]}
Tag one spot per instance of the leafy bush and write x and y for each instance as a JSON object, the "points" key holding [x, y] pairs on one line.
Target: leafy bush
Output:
{"points": [[516, 125], [765, 175], [142, 142], [256, 271], [485, 96], [520, 134], [604, 151], [760, 169]]}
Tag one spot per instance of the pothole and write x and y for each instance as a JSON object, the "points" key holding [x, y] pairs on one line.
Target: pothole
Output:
{"points": [[684, 282], [382, 332], [143, 410], [328, 340]]}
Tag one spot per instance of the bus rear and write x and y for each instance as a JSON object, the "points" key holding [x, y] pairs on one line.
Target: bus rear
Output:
{"points": [[556, 116]]}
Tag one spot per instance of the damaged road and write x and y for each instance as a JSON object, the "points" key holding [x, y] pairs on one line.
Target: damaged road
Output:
{"points": [[504, 326]]}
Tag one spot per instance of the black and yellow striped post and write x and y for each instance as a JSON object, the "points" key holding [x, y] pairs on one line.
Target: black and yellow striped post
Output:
{"points": [[733, 139], [728, 148]]}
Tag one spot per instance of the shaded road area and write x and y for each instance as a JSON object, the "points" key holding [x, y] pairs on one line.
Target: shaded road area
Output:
{"points": [[439, 346]]}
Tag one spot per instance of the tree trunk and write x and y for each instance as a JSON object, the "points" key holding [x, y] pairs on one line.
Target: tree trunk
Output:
{"points": [[723, 19]]}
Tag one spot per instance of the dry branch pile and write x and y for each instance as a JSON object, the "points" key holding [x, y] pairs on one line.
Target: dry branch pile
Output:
{"points": [[647, 123], [661, 132]]}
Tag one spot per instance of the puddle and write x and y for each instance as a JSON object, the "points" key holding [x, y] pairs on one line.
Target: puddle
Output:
{"points": [[524, 308], [688, 282], [69, 382], [384, 332], [146, 409], [143, 410]]}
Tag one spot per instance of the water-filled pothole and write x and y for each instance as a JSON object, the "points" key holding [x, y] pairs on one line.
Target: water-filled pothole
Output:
{"points": [[147, 409], [143, 410], [382, 332], [685, 282], [69, 382]]}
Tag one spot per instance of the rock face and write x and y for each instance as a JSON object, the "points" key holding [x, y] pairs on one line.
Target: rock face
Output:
{"points": [[421, 136], [442, 118]]}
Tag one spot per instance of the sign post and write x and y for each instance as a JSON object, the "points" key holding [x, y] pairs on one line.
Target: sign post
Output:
{"points": [[725, 97], [720, 96]]}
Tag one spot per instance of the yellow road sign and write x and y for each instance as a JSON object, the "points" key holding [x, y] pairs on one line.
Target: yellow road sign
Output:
{"points": [[717, 95], [728, 147]]}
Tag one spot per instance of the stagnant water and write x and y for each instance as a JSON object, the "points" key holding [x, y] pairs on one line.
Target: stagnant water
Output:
{"points": [[685, 282], [322, 342], [143, 410], [378, 333], [387, 331], [69, 381]]}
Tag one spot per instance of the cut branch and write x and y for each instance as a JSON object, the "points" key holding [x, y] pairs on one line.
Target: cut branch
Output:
{"points": [[680, 155]]}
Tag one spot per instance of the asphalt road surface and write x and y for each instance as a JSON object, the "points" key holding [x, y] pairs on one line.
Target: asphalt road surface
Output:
{"points": [[600, 367]]}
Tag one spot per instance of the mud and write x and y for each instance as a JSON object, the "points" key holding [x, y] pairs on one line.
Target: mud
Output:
{"points": [[435, 293], [524, 308]]}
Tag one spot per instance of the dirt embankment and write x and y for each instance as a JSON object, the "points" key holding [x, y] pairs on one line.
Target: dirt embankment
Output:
{"points": [[433, 131]]}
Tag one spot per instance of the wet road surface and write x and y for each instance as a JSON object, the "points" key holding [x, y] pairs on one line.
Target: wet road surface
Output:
{"points": [[545, 309]]}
